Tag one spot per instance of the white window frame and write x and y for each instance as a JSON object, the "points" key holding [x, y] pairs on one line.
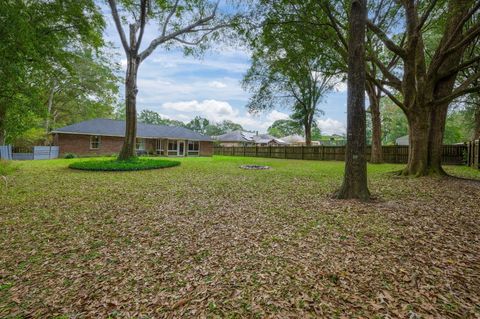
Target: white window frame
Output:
{"points": [[174, 151], [159, 146], [97, 142], [193, 152], [140, 144]]}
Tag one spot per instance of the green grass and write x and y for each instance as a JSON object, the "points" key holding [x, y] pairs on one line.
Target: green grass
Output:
{"points": [[136, 164], [208, 239], [7, 168]]}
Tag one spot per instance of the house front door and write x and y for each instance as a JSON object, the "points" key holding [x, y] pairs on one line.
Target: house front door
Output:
{"points": [[181, 148]]}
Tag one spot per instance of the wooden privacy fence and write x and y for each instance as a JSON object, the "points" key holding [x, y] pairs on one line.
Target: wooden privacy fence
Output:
{"points": [[452, 154], [473, 154]]}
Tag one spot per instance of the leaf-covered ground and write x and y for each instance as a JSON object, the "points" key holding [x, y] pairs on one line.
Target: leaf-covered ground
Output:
{"points": [[207, 239]]}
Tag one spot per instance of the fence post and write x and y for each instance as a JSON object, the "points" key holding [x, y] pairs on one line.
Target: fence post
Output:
{"points": [[270, 151], [285, 151], [256, 150], [302, 152]]}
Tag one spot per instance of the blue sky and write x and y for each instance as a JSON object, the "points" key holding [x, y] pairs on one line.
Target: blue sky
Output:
{"points": [[180, 87]]}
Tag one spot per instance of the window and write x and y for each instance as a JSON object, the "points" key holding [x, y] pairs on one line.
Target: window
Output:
{"points": [[94, 142], [193, 147], [172, 148], [172, 145], [140, 144], [159, 146]]}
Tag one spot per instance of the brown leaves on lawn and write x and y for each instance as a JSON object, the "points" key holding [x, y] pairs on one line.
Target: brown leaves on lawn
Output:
{"points": [[207, 239]]}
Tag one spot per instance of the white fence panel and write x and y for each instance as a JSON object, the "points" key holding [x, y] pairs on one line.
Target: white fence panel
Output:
{"points": [[45, 152], [6, 152], [22, 156]]}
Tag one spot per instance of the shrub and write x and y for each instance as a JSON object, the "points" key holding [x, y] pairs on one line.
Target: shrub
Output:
{"points": [[136, 164], [70, 155]]}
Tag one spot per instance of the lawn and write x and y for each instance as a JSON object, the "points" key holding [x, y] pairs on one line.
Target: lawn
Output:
{"points": [[208, 239]]}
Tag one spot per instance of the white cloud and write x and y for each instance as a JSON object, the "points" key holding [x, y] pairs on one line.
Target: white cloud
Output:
{"points": [[217, 84], [218, 111], [276, 115], [331, 126]]}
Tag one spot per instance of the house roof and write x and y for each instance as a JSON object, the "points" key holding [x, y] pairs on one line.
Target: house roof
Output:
{"points": [[247, 137], [106, 127], [234, 136], [292, 139]]}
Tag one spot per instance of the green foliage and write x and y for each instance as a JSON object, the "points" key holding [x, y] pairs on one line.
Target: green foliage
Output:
{"points": [[42, 42], [135, 164], [198, 124], [152, 117], [394, 122], [7, 168], [281, 128]]}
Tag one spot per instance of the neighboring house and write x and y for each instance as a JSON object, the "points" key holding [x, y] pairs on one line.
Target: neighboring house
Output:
{"points": [[294, 139], [403, 140], [105, 137], [241, 138]]}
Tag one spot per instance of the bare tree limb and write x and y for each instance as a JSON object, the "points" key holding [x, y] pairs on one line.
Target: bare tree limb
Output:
{"points": [[167, 37], [118, 25], [143, 21]]}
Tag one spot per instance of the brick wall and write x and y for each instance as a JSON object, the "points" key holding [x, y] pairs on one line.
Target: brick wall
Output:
{"points": [[80, 144], [206, 148]]}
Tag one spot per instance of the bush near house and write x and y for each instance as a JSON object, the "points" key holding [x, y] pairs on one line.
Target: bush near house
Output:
{"points": [[136, 164]]}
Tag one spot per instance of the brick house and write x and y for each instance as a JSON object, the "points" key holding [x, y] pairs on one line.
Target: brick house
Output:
{"points": [[105, 137]]}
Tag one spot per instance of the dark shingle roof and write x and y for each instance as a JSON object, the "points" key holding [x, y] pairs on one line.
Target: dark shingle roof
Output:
{"points": [[107, 127], [246, 137], [234, 136]]}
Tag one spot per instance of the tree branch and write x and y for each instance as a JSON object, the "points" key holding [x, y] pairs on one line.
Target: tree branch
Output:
{"points": [[167, 20], [426, 14], [118, 25], [459, 67], [167, 37], [387, 92], [143, 20], [386, 40]]}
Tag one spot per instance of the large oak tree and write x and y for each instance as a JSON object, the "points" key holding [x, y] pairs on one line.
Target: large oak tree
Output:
{"points": [[355, 178], [186, 22]]}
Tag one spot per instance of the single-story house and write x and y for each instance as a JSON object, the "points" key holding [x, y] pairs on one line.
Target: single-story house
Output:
{"points": [[403, 140], [294, 139], [242, 138], [105, 137]]}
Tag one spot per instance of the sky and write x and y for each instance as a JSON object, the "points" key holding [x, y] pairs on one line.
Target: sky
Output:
{"points": [[181, 87]]}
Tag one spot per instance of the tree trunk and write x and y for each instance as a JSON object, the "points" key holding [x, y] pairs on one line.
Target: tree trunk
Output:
{"points": [[419, 127], [374, 98], [49, 112], [308, 133], [3, 113], [355, 178], [476, 133], [438, 119], [128, 149]]}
